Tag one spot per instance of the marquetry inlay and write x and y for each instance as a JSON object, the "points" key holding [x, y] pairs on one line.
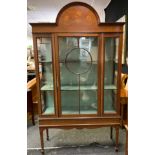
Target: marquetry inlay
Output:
{"points": [[77, 15]]}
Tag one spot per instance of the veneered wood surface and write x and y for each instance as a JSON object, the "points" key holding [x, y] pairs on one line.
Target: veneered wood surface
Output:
{"points": [[78, 19]]}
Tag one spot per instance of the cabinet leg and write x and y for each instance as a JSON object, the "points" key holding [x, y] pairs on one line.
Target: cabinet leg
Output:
{"points": [[111, 131], [47, 134], [126, 147], [117, 138], [42, 140], [122, 114]]}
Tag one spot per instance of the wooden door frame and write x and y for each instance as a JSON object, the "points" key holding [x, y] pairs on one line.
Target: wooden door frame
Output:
{"points": [[44, 35], [56, 36], [120, 37]]}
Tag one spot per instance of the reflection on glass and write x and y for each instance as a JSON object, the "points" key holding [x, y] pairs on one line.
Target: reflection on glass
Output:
{"points": [[46, 74], [44, 49], [69, 102], [110, 100], [47, 102], [110, 73], [88, 102], [78, 74]]}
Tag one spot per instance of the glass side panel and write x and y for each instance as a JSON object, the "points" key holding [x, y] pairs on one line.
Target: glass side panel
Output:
{"points": [[78, 74], [110, 73], [46, 75]]}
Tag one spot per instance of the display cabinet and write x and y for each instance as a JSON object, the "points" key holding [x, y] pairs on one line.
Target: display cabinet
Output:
{"points": [[78, 69]]}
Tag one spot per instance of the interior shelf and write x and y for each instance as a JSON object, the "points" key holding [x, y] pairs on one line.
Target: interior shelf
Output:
{"points": [[50, 87], [81, 112], [47, 87], [88, 62], [110, 87], [45, 61], [77, 87]]}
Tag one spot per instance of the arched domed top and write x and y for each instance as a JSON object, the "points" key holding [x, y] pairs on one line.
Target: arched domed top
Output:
{"points": [[77, 17], [79, 14]]}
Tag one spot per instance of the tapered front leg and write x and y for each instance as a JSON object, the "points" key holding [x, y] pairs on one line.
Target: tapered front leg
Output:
{"points": [[126, 147], [111, 131], [117, 138], [47, 134], [42, 140]]}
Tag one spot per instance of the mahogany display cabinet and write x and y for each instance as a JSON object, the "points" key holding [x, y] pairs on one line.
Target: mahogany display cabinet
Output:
{"points": [[78, 70]]}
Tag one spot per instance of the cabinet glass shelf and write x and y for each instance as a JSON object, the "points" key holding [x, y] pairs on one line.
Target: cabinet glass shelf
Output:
{"points": [[81, 112], [47, 87], [110, 87], [45, 61], [77, 87], [93, 62], [50, 87]]}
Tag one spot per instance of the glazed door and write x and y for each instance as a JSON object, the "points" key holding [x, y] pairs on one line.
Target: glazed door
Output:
{"points": [[44, 59], [78, 75], [111, 74]]}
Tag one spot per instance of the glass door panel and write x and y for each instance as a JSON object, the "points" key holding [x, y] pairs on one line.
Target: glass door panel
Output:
{"points": [[46, 75], [78, 74], [110, 73]]}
